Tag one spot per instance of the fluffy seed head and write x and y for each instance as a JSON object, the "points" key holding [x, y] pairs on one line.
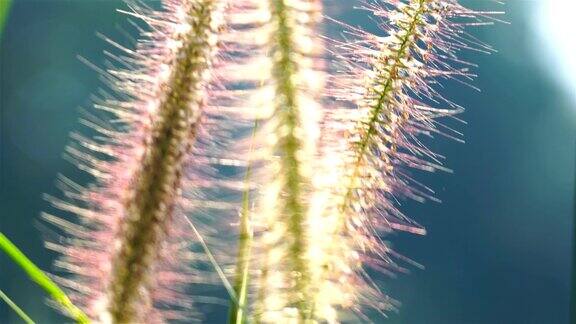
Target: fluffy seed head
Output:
{"points": [[130, 250], [389, 97]]}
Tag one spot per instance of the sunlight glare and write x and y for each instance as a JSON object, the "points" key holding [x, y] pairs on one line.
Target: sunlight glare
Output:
{"points": [[557, 31]]}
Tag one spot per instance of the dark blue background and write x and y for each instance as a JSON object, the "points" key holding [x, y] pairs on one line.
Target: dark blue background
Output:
{"points": [[498, 247]]}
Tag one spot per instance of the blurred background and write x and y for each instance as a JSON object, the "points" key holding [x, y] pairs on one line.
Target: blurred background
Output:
{"points": [[498, 248]]}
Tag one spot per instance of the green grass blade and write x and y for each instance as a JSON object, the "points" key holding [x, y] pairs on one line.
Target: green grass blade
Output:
{"points": [[40, 278], [4, 9], [15, 308], [212, 259], [237, 310]]}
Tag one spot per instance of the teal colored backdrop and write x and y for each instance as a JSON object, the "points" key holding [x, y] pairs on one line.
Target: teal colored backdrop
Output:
{"points": [[498, 248]]}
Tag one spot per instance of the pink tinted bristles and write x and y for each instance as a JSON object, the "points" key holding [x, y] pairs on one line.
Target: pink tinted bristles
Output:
{"points": [[129, 252], [391, 81]]}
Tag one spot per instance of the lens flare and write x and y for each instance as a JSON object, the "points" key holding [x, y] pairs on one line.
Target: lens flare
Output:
{"points": [[553, 20]]}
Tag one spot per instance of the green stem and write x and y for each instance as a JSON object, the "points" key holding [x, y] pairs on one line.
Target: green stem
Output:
{"points": [[4, 10], [40, 278], [238, 310], [15, 308]]}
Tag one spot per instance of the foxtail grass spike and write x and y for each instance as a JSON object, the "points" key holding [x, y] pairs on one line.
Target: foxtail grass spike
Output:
{"points": [[392, 85], [287, 291], [130, 249]]}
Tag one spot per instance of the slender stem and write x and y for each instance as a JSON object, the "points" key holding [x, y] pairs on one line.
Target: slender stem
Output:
{"points": [[4, 11], [215, 264], [238, 310], [15, 308], [40, 278]]}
